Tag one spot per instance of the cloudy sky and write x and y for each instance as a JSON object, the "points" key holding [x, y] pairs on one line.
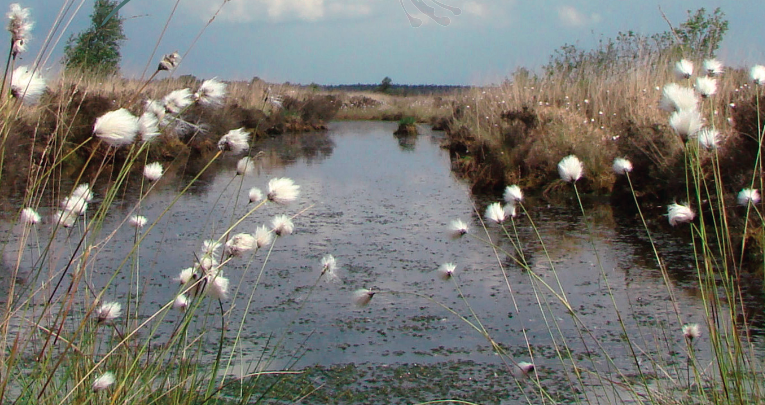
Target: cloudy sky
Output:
{"points": [[362, 41]]}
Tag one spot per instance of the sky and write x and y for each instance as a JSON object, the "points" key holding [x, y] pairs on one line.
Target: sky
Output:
{"points": [[459, 42]]}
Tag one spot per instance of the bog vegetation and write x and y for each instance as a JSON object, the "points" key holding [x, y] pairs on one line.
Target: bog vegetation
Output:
{"points": [[651, 120]]}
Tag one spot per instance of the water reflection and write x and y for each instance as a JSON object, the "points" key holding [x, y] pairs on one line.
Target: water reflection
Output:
{"points": [[383, 211]]}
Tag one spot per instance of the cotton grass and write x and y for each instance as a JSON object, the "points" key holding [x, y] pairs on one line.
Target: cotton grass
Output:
{"points": [[116, 128]]}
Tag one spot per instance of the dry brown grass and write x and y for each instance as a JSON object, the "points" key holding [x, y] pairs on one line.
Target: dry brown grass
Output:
{"points": [[598, 117]]}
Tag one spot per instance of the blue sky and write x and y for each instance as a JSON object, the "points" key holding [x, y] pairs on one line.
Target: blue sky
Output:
{"points": [[345, 41]]}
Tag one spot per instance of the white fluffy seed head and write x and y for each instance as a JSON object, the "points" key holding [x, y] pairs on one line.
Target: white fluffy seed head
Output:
{"points": [[104, 381], [186, 275], [255, 194], [684, 69], [691, 331], [622, 166], [678, 98], [570, 168], [713, 67], [708, 137], [218, 287], [138, 221], [513, 194], [181, 303], [458, 228], [27, 85], [263, 236], [148, 126], [706, 86], [446, 271], [245, 166], [362, 297], [211, 93], [29, 216], [282, 225], [108, 311], [116, 128], [282, 190], [495, 213], [677, 214], [64, 218], [758, 74], [178, 100], [686, 123], [747, 196], [240, 244], [153, 171], [236, 141]]}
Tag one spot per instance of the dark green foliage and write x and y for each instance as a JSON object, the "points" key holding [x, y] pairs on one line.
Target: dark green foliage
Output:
{"points": [[385, 85], [97, 49], [697, 38]]}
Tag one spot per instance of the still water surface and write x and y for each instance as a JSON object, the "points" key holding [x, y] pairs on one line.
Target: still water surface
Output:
{"points": [[382, 205]]}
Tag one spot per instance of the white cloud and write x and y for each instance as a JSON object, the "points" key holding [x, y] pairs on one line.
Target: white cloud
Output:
{"points": [[572, 17], [475, 8], [279, 10]]}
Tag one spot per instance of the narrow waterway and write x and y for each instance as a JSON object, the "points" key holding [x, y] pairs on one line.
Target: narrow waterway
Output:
{"points": [[382, 205]]}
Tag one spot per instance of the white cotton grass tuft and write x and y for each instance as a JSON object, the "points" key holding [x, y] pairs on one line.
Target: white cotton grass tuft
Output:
{"points": [[177, 100], [19, 24], [211, 93], [186, 275], [686, 123], [622, 166], [157, 108], [181, 303], [138, 221], [678, 98], [74, 204], [708, 138], [240, 244], [169, 61], [570, 169], [245, 166], [748, 196], [684, 69], [116, 128], [757, 74], [362, 297], [513, 194], [108, 311], [263, 236], [103, 382], [495, 213], [27, 85], [446, 271], [218, 287], [329, 268], [148, 126], [678, 213], [211, 247], [282, 190], [523, 369], [691, 331], [255, 195], [706, 86], [510, 210], [713, 67], [282, 225], [64, 218], [236, 141], [29, 216], [83, 191], [153, 171], [458, 228]]}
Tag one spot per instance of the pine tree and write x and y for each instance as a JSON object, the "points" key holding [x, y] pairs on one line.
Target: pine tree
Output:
{"points": [[97, 49]]}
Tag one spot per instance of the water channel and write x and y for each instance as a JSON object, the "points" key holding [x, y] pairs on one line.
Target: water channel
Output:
{"points": [[381, 206]]}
